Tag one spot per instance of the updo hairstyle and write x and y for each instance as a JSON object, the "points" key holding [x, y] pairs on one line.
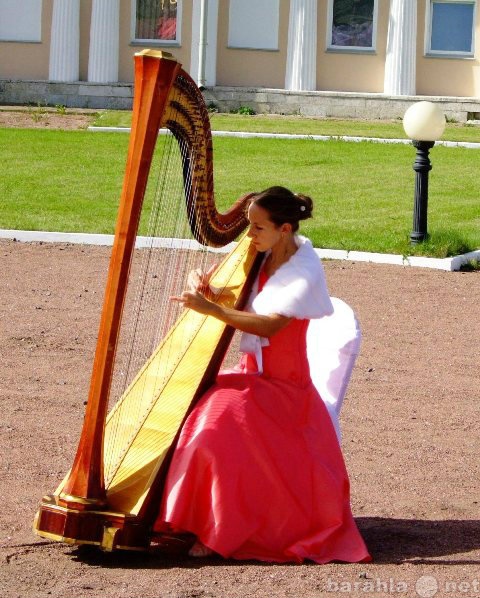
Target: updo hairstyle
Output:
{"points": [[284, 206]]}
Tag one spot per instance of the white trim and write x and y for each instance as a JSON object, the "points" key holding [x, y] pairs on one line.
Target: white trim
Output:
{"points": [[211, 51], [428, 31], [141, 242], [353, 49], [64, 59], [104, 42], [347, 138], [301, 66], [448, 264], [400, 59], [155, 42]]}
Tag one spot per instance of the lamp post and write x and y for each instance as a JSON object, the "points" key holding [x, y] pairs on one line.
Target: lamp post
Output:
{"points": [[424, 123]]}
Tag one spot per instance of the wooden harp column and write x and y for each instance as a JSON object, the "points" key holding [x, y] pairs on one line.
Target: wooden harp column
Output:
{"points": [[84, 510]]}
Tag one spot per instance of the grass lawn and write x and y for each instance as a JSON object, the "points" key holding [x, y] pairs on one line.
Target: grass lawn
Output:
{"points": [[304, 126], [363, 192]]}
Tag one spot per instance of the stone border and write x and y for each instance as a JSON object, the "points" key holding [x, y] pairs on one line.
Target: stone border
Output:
{"points": [[347, 138], [449, 264], [334, 104], [78, 94]]}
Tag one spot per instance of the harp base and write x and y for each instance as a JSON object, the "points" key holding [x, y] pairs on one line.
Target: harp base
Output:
{"points": [[107, 530], [78, 502]]}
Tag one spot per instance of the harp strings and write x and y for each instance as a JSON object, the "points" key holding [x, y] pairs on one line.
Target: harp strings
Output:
{"points": [[157, 273]]}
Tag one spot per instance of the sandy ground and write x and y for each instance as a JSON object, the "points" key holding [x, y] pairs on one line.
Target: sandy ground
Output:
{"points": [[40, 117], [410, 425]]}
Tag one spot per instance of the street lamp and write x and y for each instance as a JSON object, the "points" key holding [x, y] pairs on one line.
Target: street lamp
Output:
{"points": [[424, 123]]}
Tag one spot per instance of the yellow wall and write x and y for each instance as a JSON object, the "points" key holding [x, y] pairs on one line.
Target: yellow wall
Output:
{"points": [[30, 61], [85, 14], [125, 60], [347, 71], [336, 71]]}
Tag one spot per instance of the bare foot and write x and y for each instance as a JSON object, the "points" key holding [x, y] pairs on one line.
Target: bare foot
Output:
{"points": [[200, 550]]}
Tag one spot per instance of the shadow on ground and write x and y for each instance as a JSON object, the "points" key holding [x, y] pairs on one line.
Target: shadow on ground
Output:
{"points": [[391, 541]]}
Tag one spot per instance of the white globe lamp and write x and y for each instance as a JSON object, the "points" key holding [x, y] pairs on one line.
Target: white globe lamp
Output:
{"points": [[424, 123]]}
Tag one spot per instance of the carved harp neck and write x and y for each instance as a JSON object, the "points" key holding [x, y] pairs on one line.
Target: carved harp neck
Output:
{"points": [[187, 118]]}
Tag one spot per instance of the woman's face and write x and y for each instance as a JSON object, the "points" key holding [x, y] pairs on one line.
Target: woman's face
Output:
{"points": [[263, 232]]}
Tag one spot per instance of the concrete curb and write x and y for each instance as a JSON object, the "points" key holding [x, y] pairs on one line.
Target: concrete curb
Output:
{"points": [[347, 138], [449, 264]]}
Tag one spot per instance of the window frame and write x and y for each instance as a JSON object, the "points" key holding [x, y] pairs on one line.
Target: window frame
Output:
{"points": [[351, 49], [35, 34], [428, 31], [134, 41]]}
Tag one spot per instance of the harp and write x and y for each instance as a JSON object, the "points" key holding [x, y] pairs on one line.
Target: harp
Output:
{"points": [[117, 510]]}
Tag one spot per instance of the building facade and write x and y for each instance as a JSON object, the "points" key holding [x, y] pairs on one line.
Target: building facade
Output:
{"points": [[392, 48]]}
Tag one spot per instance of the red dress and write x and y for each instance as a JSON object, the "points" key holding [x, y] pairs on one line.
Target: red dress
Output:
{"points": [[258, 472]]}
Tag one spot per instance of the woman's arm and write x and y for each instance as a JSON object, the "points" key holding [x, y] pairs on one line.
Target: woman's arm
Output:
{"points": [[252, 323]]}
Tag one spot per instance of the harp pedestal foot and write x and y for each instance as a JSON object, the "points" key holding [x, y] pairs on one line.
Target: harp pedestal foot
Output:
{"points": [[103, 528], [79, 502]]}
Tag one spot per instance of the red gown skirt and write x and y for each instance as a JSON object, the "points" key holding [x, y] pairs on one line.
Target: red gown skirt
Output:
{"points": [[258, 472]]}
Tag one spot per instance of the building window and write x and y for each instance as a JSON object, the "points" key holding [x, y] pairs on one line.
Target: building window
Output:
{"points": [[253, 24], [21, 21], [156, 21], [352, 25], [450, 27]]}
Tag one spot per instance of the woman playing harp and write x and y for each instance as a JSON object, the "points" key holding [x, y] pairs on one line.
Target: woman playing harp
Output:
{"points": [[111, 495], [258, 472]]}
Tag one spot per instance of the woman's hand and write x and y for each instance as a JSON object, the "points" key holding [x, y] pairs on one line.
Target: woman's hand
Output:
{"points": [[198, 280], [195, 300]]}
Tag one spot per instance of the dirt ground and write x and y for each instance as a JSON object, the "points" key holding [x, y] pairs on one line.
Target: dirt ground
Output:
{"points": [[410, 425], [40, 117], [410, 437]]}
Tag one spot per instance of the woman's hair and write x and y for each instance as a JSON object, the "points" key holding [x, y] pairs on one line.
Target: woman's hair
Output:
{"points": [[284, 206]]}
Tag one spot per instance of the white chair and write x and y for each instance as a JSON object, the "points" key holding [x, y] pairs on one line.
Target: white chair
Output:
{"points": [[333, 344]]}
